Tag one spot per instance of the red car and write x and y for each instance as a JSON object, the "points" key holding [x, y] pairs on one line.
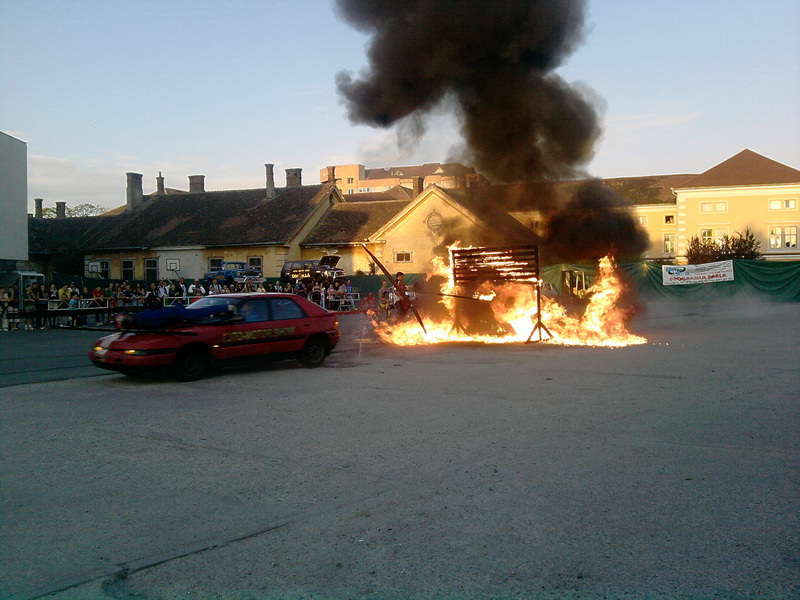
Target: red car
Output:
{"points": [[276, 326]]}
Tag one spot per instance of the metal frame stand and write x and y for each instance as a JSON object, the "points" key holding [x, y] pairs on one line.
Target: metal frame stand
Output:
{"points": [[539, 325]]}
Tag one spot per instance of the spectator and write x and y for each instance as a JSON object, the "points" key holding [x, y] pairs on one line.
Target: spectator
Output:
{"points": [[63, 296], [4, 301], [13, 307], [300, 288], [41, 306], [153, 299], [28, 306], [368, 304], [175, 294], [333, 298], [52, 303], [316, 292], [75, 320], [385, 299]]}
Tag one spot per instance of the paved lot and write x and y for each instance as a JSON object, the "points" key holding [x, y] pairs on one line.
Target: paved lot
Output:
{"points": [[667, 470]]}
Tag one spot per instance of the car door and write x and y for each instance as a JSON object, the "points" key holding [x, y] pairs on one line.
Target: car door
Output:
{"points": [[291, 325], [252, 335]]}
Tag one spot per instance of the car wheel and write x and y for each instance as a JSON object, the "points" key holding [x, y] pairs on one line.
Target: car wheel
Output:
{"points": [[191, 364], [313, 353]]}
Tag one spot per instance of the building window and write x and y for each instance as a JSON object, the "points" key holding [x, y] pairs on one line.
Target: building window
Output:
{"points": [[402, 257], [710, 207], [434, 221], [349, 180], [151, 269], [214, 263], [783, 236], [669, 219], [254, 262], [669, 244], [790, 204], [708, 235], [350, 191], [128, 270], [642, 219], [105, 268]]}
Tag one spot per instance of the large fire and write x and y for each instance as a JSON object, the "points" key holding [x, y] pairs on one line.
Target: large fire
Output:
{"points": [[513, 315]]}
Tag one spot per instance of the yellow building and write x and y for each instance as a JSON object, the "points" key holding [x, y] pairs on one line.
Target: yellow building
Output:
{"points": [[747, 191], [356, 179]]}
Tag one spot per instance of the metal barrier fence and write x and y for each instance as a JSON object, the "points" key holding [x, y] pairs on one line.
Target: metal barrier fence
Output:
{"points": [[103, 310]]}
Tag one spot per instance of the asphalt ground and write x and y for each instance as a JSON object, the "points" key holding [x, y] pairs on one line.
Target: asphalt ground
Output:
{"points": [[666, 470]]}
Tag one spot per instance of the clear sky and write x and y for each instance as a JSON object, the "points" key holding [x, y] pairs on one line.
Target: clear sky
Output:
{"points": [[100, 88]]}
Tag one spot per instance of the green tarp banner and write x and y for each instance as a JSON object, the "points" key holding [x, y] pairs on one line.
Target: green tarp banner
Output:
{"points": [[777, 280]]}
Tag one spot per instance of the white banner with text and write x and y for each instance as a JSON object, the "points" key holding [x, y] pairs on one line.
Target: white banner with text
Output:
{"points": [[705, 273]]}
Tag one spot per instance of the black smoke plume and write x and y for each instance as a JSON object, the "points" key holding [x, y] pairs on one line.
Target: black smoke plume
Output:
{"points": [[494, 60], [594, 223]]}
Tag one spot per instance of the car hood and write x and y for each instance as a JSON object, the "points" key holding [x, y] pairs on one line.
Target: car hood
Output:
{"points": [[329, 261]]}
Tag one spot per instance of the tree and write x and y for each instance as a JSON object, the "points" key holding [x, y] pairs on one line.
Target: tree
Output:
{"points": [[738, 245], [81, 210]]}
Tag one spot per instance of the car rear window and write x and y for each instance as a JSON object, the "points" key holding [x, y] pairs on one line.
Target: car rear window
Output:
{"points": [[285, 308]]}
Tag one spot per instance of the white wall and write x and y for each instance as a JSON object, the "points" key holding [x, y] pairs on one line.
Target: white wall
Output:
{"points": [[13, 198]]}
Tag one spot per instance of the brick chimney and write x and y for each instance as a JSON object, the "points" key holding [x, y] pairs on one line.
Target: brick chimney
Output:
{"points": [[294, 177], [330, 176], [416, 185], [270, 193], [39, 211], [160, 185], [61, 210], [197, 183], [473, 182], [133, 192]]}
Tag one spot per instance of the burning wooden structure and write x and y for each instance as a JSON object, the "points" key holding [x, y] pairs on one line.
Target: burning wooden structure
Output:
{"points": [[472, 267]]}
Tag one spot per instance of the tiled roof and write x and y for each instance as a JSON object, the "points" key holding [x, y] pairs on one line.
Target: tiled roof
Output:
{"points": [[64, 236], [353, 222], [655, 189], [395, 193], [200, 218], [521, 197], [746, 168]]}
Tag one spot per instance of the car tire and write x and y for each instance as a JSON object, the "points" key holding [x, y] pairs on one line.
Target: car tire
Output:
{"points": [[191, 364], [313, 353]]}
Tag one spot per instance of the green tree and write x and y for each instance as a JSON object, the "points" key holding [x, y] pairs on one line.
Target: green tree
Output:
{"points": [[729, 247]]}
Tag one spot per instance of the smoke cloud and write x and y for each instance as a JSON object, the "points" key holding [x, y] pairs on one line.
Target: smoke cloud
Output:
{"points": [[494, 62], [594, 223]]}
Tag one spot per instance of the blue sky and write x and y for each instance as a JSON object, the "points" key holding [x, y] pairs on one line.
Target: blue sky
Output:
{"points": [[99, 88]]}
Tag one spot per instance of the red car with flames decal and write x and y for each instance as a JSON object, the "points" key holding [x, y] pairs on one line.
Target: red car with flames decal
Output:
{"points": [[245, 326]]}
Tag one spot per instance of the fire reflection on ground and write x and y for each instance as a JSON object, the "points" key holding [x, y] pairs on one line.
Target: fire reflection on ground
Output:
{"points": [[507, 313]]}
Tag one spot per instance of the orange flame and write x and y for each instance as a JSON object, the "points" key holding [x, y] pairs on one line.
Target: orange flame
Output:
{"points": [[514, 316]]}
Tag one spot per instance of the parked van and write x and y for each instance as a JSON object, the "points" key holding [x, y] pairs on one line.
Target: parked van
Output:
{"points": [[310, 269]]}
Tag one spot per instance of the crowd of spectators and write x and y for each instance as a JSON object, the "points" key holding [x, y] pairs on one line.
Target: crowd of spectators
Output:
{"points": [[39, 306]]}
